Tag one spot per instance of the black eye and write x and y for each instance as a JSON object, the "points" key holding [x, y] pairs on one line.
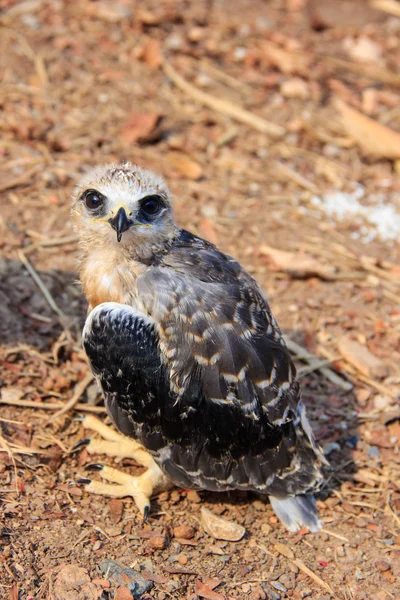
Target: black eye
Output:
{"points": [[151, 205], [93, 199]]}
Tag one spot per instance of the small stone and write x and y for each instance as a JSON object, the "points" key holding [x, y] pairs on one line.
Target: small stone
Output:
{"points": [[295, 87], [157, 542], [185, 532], [381, 401], [265, 528], [278, 586], [359, 575], [284, 550], [382, 566], [193, 496], [182, 559], [120, 576], [220, 528]]}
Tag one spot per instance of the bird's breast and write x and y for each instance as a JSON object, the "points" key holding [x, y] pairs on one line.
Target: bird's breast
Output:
{"points": [[104, 280]]}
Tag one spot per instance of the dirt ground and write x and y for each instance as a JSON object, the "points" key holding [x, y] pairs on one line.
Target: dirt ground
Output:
{"points": [[278, 107]]}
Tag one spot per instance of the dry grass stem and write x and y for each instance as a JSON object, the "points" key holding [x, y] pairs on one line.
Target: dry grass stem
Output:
{"points": [[223, 106], [53, 405], [64, 320], [79, 390]]}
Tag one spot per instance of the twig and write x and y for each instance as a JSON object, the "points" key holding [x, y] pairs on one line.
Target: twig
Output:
{"points": [[80, 388], [295, 177], [377, 73], [64, 320], [335, 535], [223, 106], [391, 7], [225, 78], [52, 405], [302, 567], [21, 179], [6, 448], [313, 367], [299, 563], [391, 511], [311, 359], [384, 389]]}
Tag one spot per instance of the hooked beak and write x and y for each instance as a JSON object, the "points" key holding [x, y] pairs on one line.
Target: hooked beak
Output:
{"points": [[120, 222]]}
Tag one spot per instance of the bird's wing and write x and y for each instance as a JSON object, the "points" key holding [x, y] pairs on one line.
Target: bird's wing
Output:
{"points": [[216, 327], [230, 372]]}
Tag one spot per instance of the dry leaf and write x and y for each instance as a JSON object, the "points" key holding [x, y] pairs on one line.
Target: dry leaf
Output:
{"points": [[116, 507], [284, 550], [74, 491], [219, 528], [13, 592], [184, 166], [110, 12], [204, 591], [370, 135], [298, 264], [151, 53], [138, 127], [360, 357], [123, 593]]}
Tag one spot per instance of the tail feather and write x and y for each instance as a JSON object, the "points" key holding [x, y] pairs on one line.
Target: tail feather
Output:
{"points": [[297, 512]]}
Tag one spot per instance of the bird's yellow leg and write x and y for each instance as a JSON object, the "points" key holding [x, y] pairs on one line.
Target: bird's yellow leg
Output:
{"points": [[114, 444]]}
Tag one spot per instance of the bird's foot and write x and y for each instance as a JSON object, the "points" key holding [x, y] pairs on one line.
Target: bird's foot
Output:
{"points": [[140, 487]]}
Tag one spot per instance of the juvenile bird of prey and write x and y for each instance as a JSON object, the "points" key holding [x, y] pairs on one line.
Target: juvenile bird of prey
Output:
{"points": [[189, 358]]}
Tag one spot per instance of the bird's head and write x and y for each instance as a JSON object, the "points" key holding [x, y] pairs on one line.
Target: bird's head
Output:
{"points": [[123, 205]]}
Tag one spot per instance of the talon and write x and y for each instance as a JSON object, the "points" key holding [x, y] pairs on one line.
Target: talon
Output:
{"points": [[146, 512], [94, 467], [84, 442], [84, 481]]}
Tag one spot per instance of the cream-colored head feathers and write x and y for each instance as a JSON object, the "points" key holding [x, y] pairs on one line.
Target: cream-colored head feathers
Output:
{"points": [[126, 187]]}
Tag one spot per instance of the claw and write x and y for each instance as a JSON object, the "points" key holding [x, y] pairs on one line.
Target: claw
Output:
{"points": [[84, 481], [80, 444], [94, 467], [146, 512]]}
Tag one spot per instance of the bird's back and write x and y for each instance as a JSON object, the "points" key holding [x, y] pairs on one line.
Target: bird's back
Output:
{"points": [[198, 372]]}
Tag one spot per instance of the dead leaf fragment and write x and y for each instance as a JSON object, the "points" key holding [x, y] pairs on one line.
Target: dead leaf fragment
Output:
{"points": [[298, 264], [220, 528], [116, 507], [284, 550], [13, 592], [151, 53], [184, 166], [373, 137], [138, 127], [204, 591], [360, 357], [123, 593]]}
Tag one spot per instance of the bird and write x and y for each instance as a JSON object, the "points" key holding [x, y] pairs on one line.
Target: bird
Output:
{"points": [[194, 370]]}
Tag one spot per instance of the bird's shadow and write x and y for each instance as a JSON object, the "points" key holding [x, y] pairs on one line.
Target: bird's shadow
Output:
{"points": [[27, 319]]}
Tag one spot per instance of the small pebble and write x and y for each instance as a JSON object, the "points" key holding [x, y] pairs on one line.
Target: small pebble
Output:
{"points": [[359, 575], [382, 566], [182, 559], [193, 496], [278, 586]]}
